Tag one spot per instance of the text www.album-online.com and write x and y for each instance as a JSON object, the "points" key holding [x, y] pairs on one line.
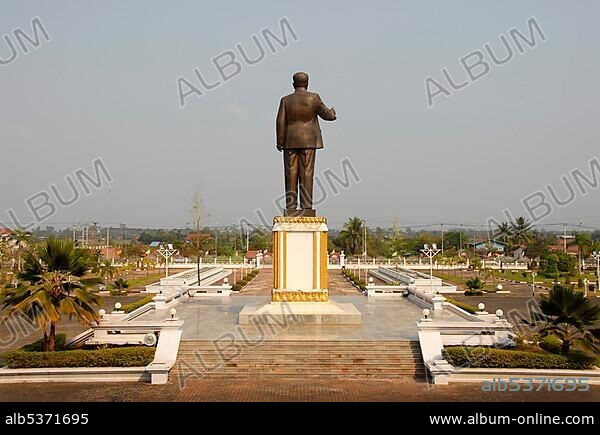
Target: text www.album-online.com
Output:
{"points": [[534, 419]]}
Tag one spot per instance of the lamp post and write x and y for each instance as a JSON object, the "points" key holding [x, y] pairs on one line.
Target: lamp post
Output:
{"points": [[596, 255], [430, 252], [167, 252], [585, 286], [533, 275]]}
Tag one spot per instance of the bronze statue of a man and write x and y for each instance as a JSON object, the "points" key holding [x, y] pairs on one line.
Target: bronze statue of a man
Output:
{"points": [[299, 136]]}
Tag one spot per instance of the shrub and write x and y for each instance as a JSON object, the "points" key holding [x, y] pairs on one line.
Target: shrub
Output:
{"points": [[37, 346], [120, 284], [138, 356], [481, 357], [551, 343], [474, 283], [236, 287], [118, 292], [580, 283], [467, 307], [524, 274], [128, 308], [473, 293], [592, 287], [242, 282]]}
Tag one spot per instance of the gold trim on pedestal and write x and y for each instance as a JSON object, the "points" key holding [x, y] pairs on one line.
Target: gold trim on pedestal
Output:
{"points": [[300, 296], [299, 220], [284, 259], [323, 283], [276, 259], [315, 261]]}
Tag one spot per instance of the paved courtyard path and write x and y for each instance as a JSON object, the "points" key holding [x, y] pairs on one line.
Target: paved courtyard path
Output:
{"points": [[278, 390], [263, 284]]}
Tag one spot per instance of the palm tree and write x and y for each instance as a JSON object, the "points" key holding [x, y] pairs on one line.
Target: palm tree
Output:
{"points": [[21, 240], [54, 294], [54, 256], [521, 231], [584, 243], [106, 271], [504, 232], [120, 284], [351, 236], [568, 314]]}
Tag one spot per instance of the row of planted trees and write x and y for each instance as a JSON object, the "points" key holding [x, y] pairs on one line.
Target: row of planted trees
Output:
{"points": [[52, 285]]}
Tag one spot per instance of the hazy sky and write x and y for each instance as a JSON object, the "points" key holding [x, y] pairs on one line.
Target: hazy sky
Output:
{"points": [[105, 85]]}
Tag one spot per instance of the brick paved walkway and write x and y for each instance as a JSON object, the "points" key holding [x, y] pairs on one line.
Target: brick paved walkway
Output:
{"points": [[263, 283], [278, 390]]}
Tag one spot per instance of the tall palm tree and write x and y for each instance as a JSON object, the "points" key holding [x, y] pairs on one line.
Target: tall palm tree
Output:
{"points": [[54, 256], [568, 314], [521, 230], [352, 235], [106, 271], [504, 232], [54, 294], [21, 240], [584, 242]]}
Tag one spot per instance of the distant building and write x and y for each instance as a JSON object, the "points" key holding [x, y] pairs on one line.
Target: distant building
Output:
{"points": [[489, 245], [5, 233]]}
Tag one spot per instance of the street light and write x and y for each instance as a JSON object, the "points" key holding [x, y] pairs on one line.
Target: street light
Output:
{"points": [[533, 275], [585, 286], [596, 255], [167, 252], [430, 252]]}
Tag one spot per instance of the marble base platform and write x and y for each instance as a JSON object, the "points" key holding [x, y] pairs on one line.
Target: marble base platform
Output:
{"points": [[311, 313]]}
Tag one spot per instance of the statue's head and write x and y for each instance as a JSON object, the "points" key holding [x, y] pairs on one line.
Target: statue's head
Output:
{"points": [[300, 80]]}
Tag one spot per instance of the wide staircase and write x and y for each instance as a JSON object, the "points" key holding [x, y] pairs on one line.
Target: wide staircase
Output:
{"points": [[300, 359]]}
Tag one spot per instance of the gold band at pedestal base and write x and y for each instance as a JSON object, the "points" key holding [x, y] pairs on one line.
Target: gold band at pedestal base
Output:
{"points": [[300, 296], [299, 220]]}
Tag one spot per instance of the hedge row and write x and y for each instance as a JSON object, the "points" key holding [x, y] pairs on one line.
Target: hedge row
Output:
{"points": [[357, 281], [138, 356], [128, 308], [482, 357], [467, 307], [241, 283]]}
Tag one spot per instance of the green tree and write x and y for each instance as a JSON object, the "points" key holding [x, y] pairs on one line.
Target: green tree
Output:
{"points": [[54, 256], [504, 232], [351, 236], [475, 283], [120, 284], [551, 266], [521, 231], [106, 271], [568, 314], [54, 294], [21, 241]]}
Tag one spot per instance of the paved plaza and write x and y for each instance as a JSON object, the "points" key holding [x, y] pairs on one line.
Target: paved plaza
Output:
{"points": [[279, 390], [208, 318]]}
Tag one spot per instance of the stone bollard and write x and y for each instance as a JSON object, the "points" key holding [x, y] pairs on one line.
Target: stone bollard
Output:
{"points": [[117, 314], [426, 316], [160, 302], [438, 302]]}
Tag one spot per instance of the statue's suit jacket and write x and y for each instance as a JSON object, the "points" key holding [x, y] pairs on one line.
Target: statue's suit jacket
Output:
{"points": [[297, 123]]}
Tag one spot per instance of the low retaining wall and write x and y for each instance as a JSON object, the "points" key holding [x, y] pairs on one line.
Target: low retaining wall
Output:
{"points": [[75, 374]]}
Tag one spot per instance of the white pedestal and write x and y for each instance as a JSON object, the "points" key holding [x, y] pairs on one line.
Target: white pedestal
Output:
{"points": [[300, 292], [300, 259], [311, 313]]}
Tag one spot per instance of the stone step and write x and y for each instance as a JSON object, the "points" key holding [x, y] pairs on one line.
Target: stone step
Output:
{"points": [[306, 352], [301, 358], [292, 375], [297, 349], [315, 342], [314, 361]]}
